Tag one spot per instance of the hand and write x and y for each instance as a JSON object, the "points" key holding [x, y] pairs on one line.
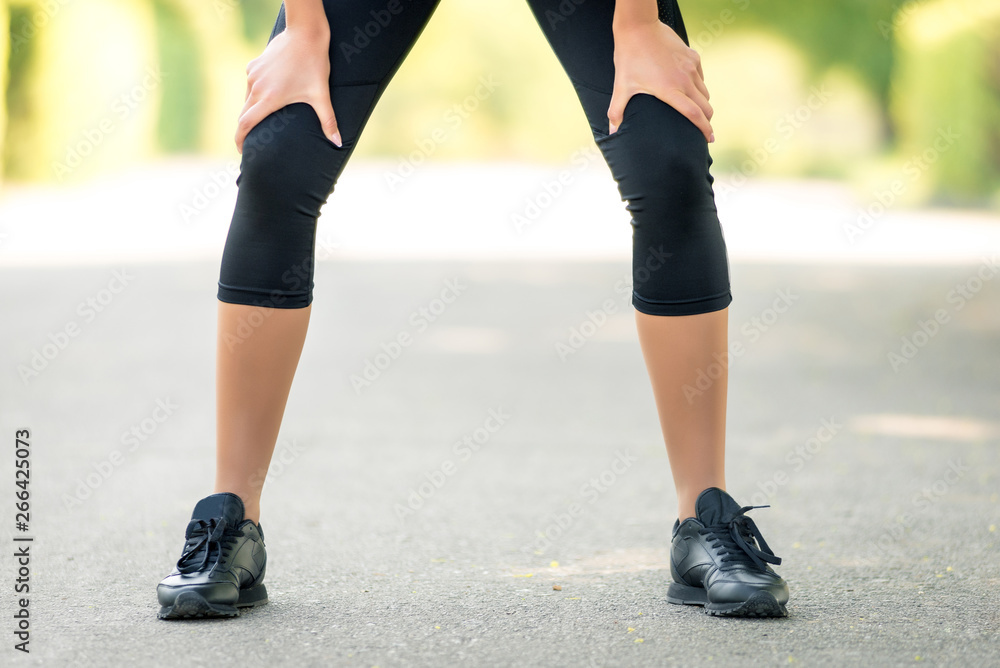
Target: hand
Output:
{"points": [[651, 58], [295, 67]]}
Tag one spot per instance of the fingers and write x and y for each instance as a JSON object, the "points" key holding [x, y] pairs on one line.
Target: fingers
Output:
{"points": [[288, 72], [616, 110], [691, 104], [699, 84], [692, 100], [250, 78], [689, 63], [696, 110], [242, 126], [248, 119], [692, 111], [664, 66], [701, 73], [327, 119], [257, 108], [702, 102], [699, 95]]}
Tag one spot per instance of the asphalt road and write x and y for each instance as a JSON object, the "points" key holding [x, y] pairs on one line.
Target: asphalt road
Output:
{"points": [[872, 432]]}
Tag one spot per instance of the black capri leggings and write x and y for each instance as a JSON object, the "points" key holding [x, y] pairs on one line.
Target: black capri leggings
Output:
{"points": [[658, 158]]}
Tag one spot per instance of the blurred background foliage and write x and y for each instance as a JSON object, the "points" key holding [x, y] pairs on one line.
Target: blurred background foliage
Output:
{"points": [[852, 89]]}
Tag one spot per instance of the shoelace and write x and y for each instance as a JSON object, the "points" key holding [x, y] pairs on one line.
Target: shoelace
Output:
{"points": [[739, 540], [204, 535]]}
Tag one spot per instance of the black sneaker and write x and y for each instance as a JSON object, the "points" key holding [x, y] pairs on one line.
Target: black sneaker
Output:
{"points": [[717, 560], [222, 566]]}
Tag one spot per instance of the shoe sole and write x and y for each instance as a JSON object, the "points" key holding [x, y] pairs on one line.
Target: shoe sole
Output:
{"points": [[761, 604], [192, 605]]}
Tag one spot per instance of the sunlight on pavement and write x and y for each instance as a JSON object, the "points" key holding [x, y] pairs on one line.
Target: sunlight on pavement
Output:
{"points": [[933, 427]]}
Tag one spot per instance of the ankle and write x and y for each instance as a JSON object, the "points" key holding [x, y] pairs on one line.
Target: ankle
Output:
{"points": [[253, 515], [251, 502], [687, 497]]}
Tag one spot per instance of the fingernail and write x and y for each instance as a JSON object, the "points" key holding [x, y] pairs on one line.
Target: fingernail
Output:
{"points": [[337, 140], [711, 138], [611, 129]]}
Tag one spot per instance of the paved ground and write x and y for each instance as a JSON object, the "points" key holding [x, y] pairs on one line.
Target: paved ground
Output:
{"points": [[883, 482], [864, 408]]}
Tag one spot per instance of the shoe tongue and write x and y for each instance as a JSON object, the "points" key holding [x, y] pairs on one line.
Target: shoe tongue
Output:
{"points": [[223, 504], [715, 507]]}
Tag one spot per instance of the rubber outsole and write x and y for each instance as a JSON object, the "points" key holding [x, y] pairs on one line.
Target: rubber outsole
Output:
{"points": [[192, 605], [762, 604], [686, 595]]}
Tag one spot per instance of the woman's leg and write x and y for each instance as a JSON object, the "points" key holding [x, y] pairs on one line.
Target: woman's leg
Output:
{"points": [[680, 269], [287, 173], [253, 377], [680, 290], [288, 170], [693, 421]]}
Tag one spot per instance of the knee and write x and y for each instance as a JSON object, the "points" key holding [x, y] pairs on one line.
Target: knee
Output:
{"points": [[662, 157], [285, 157], [672, 171]]}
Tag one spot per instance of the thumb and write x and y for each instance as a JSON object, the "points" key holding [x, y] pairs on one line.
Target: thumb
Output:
{"points": [[328, 120], [616, 110]]}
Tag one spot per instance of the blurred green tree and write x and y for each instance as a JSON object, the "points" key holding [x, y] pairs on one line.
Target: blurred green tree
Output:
{"points": [[69, 67]]}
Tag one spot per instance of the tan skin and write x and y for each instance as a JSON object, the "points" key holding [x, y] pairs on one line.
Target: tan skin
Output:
{"points": [[254, 377]]}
